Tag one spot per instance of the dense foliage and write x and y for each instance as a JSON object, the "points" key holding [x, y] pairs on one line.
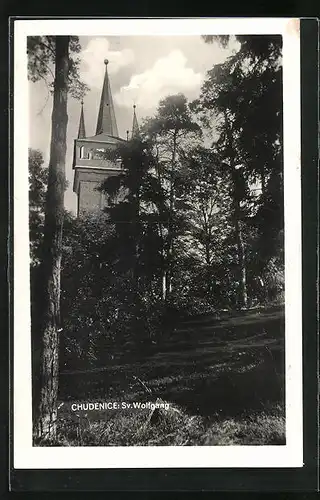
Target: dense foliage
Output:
{"points": [[41, 52], [38, 179], [192, 225]]}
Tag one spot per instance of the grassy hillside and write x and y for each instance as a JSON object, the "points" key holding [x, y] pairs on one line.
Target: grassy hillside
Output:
{"points": [[222, 377]]}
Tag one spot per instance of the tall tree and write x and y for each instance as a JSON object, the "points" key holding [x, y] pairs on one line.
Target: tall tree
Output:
{"points": [[134, 198], [151, 171], [171, 131], [202, 194], [241, 99], [43, 54]]}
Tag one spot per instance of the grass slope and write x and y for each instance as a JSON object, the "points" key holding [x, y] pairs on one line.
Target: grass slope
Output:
{"points": [[223, 380]]}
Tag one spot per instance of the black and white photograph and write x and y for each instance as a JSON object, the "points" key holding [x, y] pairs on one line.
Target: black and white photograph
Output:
{"points": [[157, 243]]}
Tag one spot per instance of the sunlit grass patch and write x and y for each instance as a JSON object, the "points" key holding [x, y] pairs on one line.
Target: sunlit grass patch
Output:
{"points": [[260, 429], [173, 427]]}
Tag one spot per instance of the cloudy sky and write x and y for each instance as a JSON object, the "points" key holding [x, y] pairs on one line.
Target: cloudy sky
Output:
{"points": [[142, 69]]}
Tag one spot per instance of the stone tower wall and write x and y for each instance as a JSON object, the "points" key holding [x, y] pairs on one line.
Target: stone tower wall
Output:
{"points": [[90, 199]]}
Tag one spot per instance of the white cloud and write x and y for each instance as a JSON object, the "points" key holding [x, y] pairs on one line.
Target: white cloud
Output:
{"points": [[92, 58], [169, 75]]}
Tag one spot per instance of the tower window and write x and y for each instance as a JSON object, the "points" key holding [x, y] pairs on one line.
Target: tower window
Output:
{"points": [[99, 153]]}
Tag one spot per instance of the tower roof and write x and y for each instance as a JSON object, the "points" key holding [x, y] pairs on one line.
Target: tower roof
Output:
{"points": [[135, 125], [106, 123], [82, 128]]}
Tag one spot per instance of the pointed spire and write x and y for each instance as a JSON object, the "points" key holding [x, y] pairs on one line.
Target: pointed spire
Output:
{"points": [[135, 125], [82, 128], [106, 123]]}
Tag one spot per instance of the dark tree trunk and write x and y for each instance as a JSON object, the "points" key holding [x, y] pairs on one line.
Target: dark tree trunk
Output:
{"points": [[46, 404], [169, 259], [242, 272], [237, 195], [243, 296], [207, 252], [167, 284], [263, 181], [161, 235], [137, 243], [163, 262]]}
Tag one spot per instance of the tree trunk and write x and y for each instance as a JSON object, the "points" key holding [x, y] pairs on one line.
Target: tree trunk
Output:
{"points": [[243, 296], [242, 272], [238, 185], [263, 181], [161, 235], [46, 406], [242, 276], [137, 238], [169, 259], [163, 263], [209, 276], [207, 248], [168, 276]]}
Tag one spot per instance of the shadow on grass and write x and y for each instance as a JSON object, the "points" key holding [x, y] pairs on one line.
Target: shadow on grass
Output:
{"points": [[226, 379], [231, 393]]}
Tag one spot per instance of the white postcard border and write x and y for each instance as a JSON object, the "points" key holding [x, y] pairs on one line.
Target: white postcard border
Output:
{"points": [[290, 455]]}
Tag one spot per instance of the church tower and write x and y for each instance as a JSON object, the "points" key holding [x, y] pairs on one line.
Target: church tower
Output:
{"points": [[90, 167]]}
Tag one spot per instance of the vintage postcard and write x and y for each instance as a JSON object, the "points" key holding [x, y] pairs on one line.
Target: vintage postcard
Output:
{"points": [[157, 243]]}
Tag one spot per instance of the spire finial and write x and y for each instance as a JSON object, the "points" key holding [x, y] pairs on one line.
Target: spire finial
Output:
{"points": [[127, 135], [106, 62]]}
